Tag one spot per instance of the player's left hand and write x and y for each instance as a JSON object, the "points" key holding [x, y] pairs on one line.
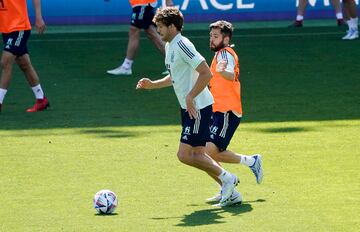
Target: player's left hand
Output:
{"points": [[190, 107], [221, 66], [40, 25]]}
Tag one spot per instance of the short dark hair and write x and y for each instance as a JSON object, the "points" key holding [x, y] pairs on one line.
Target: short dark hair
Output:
{"points": [[225, 27], [168, 16]]}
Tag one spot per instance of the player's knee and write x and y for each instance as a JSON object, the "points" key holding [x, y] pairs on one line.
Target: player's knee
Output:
{"points": [[184, 157], [134, 32], [5, 64], [23, 64], [212, 150]]}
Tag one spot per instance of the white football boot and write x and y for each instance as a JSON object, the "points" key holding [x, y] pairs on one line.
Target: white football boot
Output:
{"points": [[351, 34], [228, 187], [234, 199], [257, 169], [120, 71]]}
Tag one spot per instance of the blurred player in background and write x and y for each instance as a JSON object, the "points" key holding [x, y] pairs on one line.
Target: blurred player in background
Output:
{"points": [[189, 75], [15, 28], [227, 107], [142, 15], [351, 15], [301, 11]]}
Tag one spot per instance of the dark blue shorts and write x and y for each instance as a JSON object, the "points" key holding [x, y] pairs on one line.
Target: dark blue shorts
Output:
{"points": [[16, 42], [142, 16], [195, 132], [222, 128]]}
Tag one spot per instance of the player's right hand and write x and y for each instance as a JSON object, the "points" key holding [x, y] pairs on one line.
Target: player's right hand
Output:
{"points": [[190, 107], [144, 83], [221, 66], [40, 25]]}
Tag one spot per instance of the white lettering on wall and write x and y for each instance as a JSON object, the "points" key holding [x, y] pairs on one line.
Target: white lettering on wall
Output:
{"points": [[203, 4], [241, 5], [221, 6]]}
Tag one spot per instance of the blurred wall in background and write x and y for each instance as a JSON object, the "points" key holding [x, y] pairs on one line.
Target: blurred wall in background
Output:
{"points": [[119, 11]]}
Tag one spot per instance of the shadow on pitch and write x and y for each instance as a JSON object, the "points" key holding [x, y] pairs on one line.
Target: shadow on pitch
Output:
{"points": [[107, 133], [213, 216], [102, 133], [286, 130]]}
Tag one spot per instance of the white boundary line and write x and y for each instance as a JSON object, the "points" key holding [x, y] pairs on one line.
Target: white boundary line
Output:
{"points": [[191, 37]]}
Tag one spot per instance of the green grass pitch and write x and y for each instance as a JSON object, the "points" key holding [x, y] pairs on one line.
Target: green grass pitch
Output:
{"points": [[301, 97]]}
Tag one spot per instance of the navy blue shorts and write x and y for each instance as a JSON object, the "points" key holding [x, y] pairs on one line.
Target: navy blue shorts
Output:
{"points": [[222, 128], [16, 42], [142, 16], [195, 132]]}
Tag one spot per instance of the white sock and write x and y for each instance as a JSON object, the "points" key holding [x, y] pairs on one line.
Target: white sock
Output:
{"points": [[247, 160], [39, 94], [339, 16], [354, 23], [299, 18], [127, 63], [348, 22], [2, 95], [225, 176]]}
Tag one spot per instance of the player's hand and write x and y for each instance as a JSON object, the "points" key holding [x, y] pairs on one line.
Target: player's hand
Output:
{"points": [[144, 83], [190, 107], [40, 25], [221, 66]]}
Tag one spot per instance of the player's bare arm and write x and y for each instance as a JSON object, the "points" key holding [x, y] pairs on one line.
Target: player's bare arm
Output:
{"points": [[202, 81], [39, 21], [221, 68], [146, 83]]}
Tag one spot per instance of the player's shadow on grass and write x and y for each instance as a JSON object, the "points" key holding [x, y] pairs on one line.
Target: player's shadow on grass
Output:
{"points": [[214, 215], [286, 130], [107, 133]]}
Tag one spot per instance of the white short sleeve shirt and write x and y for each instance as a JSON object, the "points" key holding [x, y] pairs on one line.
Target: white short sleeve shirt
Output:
{"points": [[181, 60]]}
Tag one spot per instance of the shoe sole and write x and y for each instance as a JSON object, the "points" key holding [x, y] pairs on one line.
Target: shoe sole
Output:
{"points": [[119, 74], [47, 106], [238, 202]]}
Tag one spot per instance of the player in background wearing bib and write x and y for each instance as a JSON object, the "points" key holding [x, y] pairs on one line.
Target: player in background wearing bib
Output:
{"points": [[189, 76], [15, 28], [142, 15], [227, 107]]}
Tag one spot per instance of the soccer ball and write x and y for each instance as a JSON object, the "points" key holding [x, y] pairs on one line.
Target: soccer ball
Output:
{"points": [[105, 201]]}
